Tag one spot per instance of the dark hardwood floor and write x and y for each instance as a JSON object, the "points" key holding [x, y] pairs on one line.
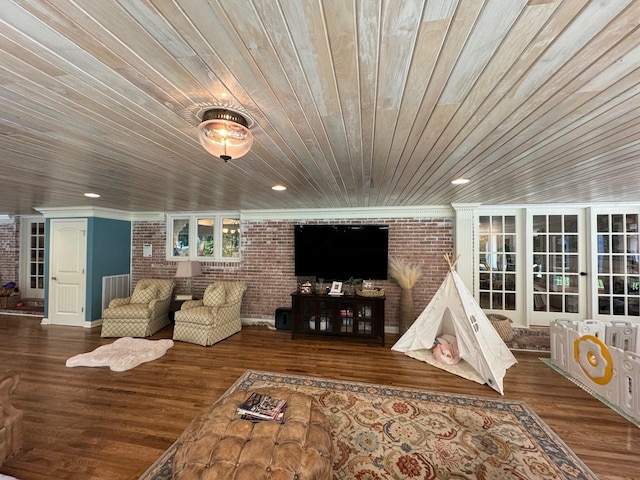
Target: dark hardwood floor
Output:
{"points": [[91, 423]]}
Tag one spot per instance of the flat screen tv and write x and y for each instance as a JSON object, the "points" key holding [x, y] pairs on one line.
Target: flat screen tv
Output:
{"points": [[339, 252]]}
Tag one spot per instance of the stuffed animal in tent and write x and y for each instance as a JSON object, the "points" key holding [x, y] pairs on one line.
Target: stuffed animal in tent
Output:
{"points": [[445, 349]]}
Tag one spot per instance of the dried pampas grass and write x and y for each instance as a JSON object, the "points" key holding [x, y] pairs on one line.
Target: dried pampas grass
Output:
{"points": [[406, 274]]}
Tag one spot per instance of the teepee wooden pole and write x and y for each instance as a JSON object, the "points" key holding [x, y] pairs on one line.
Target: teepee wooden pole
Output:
{"points": [[448, 258]]}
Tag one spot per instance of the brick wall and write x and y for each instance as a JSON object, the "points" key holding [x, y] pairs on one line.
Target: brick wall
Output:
{"points": [[267, 261], [9, 252]]}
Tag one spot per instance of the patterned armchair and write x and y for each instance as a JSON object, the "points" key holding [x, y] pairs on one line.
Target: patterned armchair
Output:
{"points": [[11, 429], [214, 318], [143, 313]]}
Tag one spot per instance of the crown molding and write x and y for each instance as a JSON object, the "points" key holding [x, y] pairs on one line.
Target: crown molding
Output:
{"points": [[88, 211], [349, 213]]}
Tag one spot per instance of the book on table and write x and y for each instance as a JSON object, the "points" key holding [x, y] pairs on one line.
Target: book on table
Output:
{"points": [[262, 407]]}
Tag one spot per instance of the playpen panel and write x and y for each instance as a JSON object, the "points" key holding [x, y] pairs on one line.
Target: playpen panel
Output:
{"points": [[623, 335], [559, 338], [592, 327], [621, 385], [603, 382], [629, 394]]}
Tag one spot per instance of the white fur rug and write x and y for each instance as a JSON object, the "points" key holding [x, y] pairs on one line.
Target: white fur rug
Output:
{"points": [[123, 354]]}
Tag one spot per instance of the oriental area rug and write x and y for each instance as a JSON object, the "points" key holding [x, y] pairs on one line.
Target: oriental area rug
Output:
{"points": [[382, 432]]}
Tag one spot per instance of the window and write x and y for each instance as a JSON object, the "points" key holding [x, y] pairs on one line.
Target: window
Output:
{"points": [[36, 256], [213, 237], [497, 262], [618, 280]]}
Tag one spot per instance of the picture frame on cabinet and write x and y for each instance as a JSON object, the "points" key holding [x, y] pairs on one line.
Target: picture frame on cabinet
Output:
{"points": [[336, 288]]}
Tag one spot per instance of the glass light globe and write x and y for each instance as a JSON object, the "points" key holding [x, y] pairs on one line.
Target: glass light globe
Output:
{"points": [[224, 133]]}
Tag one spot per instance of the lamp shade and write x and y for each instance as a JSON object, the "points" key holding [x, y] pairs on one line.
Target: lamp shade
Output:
{"points": [[188, 269], [225, 134]]}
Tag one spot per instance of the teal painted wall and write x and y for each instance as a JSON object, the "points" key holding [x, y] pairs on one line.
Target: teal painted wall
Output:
{"points": [[108, 253]]}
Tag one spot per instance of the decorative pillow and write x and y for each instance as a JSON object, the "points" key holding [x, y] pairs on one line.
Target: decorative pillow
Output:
{"points": [[214, 295], [144, 294], [446, 349]]}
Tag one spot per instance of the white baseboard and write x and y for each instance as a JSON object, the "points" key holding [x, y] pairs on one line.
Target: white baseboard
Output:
{"points": [[258, 321], [91, 324]]}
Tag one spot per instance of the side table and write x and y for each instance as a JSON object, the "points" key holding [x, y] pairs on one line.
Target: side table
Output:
{"points": [[177, 305]]}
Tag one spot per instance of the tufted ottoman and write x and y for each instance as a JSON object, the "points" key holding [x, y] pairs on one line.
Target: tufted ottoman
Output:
{"points": [[219, 445]]}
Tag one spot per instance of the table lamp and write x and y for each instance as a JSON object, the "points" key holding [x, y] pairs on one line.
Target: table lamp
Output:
{"points": [[188, 270]]}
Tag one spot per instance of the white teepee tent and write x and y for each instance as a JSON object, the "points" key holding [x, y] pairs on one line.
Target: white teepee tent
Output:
{"points": [[454, 311]]}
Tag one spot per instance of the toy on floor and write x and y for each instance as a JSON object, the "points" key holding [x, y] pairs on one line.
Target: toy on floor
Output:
{"points": [[445, 349]]}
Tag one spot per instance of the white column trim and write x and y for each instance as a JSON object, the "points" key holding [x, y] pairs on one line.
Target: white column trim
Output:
{"points": [[466, 242]]}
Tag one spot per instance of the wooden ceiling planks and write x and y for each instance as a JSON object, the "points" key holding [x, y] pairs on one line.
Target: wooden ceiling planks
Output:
{"points": [[355, 103]]}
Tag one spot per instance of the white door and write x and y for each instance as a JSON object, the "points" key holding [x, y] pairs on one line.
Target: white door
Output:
{"points": [[557, 282], [67, 267]]}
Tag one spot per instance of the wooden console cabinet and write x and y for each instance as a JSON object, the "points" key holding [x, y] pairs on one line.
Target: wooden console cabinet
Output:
{"points": [[343, 316]]}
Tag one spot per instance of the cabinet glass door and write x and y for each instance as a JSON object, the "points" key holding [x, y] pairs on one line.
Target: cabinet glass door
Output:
{"points": [[365, 320], [316, 316], [346, 317]]}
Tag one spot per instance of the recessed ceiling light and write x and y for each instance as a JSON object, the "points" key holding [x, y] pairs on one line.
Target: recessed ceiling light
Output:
{"points": [[92, 195], [460, 181], [279, 188]]}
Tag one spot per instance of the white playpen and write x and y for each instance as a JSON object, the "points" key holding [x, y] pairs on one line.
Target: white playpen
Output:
{"points": [[602, 356]]}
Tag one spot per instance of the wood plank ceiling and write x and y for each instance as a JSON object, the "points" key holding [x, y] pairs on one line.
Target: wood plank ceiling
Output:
{"points": [[354, 103]]}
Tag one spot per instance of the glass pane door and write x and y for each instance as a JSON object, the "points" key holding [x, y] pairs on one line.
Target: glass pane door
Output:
{"points": [[497, 262], [618, 277], [558, 271], [32, 258]]}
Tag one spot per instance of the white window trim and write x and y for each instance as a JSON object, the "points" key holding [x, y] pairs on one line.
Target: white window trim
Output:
{"points": [[193, 234]]}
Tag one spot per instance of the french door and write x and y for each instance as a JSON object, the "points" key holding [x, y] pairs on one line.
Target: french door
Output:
{"points": [[557, 278], [498, 262], [539, 264], [32, 247], [615, 263]]}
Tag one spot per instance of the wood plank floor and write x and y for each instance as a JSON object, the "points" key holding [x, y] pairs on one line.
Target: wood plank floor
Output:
{"points": [[91, 423]]}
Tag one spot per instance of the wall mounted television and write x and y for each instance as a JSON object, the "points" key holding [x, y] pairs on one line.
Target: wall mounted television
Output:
{"points": [[339, 252]]}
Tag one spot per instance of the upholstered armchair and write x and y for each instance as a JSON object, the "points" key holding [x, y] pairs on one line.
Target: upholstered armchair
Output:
{"points": [[143, 313], [214, 318], [11, 429]]}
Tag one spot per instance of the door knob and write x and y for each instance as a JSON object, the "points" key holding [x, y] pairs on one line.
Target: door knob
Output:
{"points": [[53, 278], [583, 274]]}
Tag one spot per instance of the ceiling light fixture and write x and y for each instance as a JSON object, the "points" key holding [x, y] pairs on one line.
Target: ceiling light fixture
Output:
{"points": [[92, 195], [279, 188], [225, 133], [460, 181]]}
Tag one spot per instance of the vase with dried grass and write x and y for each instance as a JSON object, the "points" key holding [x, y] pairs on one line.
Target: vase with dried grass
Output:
{"points": [[406, 275]]}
